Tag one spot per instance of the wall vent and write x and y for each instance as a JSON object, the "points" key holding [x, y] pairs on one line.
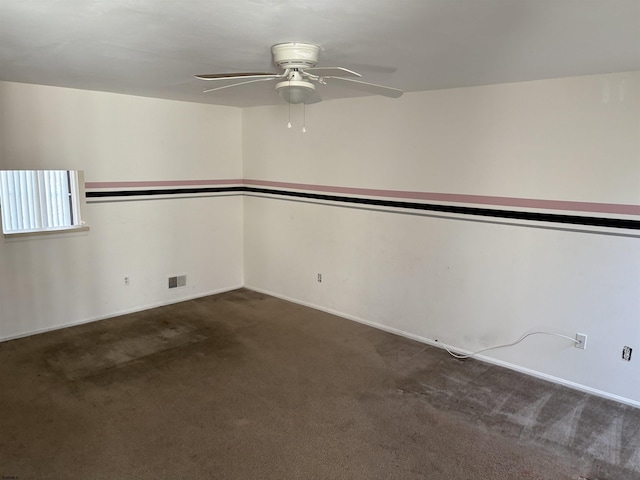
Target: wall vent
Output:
{"points": [[178, 281]]}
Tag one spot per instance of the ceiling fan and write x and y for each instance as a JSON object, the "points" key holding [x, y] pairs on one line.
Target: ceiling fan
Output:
{"points": [[297, 82]]}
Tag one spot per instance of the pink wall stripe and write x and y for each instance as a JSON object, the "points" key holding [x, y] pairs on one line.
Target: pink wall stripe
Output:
{"points": [[163, 183]]}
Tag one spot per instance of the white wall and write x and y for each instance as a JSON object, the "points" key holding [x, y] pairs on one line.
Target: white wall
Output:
{"points": [[47, 282], [469, 284], [465, 283]]}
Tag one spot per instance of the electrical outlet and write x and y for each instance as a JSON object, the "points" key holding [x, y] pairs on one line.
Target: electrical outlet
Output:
{"points": [[626, 353], [581, 341], [319, 278], [126, 280]]}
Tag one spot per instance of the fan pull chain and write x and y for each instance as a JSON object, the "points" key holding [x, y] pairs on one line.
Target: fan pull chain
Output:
{"points": [[304, 117], [289, 124]]}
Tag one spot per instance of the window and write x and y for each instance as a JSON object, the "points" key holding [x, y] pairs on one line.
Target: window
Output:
{"points": [[40, 200]]}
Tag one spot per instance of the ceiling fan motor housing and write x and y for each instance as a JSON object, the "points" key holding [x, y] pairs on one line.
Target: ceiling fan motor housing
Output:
{"points": [[295, 55]]}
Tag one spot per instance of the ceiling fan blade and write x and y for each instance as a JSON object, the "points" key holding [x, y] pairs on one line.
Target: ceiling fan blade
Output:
{"points": [[236, 84], [369, 87], [329, 71], [227, 76]]}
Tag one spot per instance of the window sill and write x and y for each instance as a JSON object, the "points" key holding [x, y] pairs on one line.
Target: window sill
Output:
{"points": [[51, 231]]}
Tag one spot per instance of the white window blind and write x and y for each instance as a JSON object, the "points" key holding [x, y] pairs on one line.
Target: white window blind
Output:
{"points": [[36, 200]]}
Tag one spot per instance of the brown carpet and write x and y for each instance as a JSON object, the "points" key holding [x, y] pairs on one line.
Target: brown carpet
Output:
{"points": [[246, 386]]}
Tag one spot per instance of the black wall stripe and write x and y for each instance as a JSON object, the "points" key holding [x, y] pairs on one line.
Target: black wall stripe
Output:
{"points": [[485, 212], [164, 191]]}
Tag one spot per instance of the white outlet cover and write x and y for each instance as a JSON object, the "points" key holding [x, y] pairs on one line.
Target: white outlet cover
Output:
{"points": [[581, 341]]}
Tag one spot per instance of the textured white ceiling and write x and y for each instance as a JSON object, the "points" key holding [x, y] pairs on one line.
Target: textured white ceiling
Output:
{"points": [[154, 47]]}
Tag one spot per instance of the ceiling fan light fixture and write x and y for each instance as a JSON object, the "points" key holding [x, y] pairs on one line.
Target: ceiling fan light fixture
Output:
{"points": [[295, 91]]}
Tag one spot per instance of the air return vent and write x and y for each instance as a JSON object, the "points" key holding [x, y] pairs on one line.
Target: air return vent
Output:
{"points": [[178, 281]]}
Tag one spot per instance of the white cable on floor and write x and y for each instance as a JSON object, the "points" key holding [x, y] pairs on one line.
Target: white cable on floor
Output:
{"points": [[462, 357]]}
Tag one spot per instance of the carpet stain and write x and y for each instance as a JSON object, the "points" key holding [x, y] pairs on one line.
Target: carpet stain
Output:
{"points": [[134, 348]]}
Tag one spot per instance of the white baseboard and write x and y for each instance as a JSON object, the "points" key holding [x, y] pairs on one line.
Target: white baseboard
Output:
{"points": [[484, 358], [117, 313]]}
